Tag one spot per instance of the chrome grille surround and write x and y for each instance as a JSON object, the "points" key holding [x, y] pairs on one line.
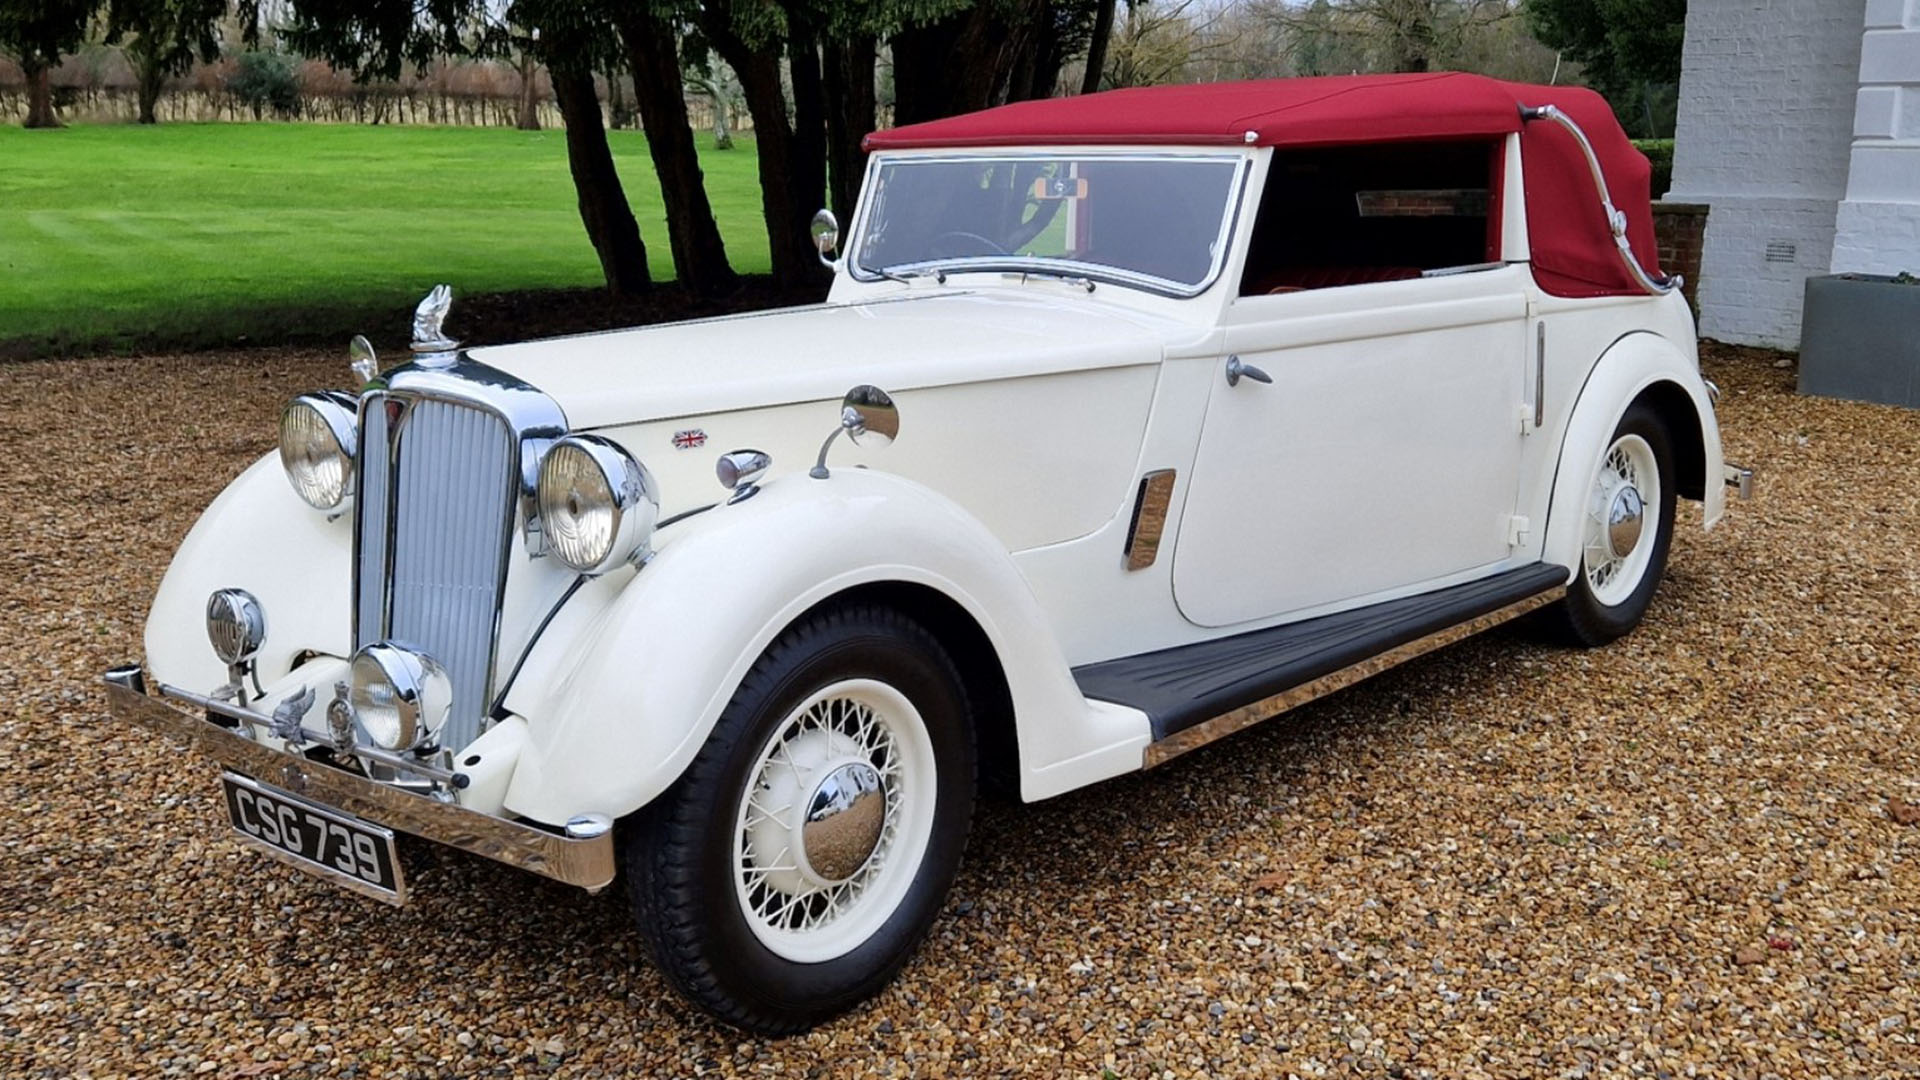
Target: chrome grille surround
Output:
{"points": [[448, 460]]}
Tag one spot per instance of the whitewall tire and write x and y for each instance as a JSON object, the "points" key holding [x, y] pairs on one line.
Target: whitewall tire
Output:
{"points": [[804, 854], [1626, 528]]}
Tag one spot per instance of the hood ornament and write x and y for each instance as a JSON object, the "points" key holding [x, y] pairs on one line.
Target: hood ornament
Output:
{"points": [[431, 345]]}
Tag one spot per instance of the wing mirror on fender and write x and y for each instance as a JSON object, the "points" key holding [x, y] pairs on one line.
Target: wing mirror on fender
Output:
{"points": [[868, 416], [825, 231]]}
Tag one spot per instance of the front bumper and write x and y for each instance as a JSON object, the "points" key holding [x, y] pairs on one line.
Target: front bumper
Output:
{"points": [[586, 862]]}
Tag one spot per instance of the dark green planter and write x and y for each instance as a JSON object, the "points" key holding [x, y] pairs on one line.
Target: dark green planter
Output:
{"points": [[1860, 339]]}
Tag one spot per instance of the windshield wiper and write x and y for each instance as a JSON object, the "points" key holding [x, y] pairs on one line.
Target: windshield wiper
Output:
{"points": [[1069, 279]]}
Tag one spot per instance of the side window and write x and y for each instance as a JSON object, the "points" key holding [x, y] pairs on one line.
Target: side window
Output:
{"points": [[1350, 215]]}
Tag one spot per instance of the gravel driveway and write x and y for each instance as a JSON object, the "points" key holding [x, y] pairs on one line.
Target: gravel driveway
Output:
{"points": [[1681, 855]]}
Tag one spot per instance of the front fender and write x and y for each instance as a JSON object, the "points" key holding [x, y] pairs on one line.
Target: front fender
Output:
{"points": [[259, 536], [1626, 370], [630, 677]]}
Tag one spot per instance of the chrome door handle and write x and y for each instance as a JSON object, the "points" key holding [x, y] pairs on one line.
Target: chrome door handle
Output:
{"points": [[1237, 368]]}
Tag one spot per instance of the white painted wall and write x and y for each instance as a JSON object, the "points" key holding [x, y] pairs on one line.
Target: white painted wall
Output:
{"points": [[1767, 107], [1878, 224]]}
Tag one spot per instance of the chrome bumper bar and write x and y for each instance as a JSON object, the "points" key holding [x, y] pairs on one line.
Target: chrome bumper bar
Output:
{"points": [[1740, 480], [586, 862]]}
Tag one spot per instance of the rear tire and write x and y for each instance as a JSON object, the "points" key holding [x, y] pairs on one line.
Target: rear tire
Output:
{"points": [[1626, 528], [803, 855]]}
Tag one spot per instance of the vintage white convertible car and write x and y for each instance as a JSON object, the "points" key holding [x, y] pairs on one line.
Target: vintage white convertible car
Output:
{"points": [[1204, 401]]}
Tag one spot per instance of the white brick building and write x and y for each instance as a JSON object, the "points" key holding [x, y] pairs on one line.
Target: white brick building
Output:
{"points": [[1800, 127]]}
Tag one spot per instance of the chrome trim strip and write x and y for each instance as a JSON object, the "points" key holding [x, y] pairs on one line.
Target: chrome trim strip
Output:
{"points": [[398, 897], [587, 863], [1616, 221], [1149, 518], [1540, 376], [1246, 716]]}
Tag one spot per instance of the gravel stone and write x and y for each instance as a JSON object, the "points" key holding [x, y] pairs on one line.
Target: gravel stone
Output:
{"points": [[1503, 860]]}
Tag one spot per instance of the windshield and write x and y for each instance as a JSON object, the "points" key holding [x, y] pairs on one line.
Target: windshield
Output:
{"points": [[1152, 219]]}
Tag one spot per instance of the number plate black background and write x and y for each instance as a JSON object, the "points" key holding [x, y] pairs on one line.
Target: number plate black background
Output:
{"points": [[336, 843]]}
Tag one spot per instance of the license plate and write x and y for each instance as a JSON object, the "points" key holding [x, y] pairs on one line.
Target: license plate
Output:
{"points": [[354, 853]]}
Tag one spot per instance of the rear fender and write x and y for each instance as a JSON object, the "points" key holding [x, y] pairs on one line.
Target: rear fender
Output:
{"points": [[1631, 367], [628, 680]]}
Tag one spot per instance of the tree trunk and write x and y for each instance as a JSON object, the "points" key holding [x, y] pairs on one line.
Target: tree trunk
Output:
{"points": [[850, 115], [529, 116], [809, 180], [603, 203], [152, 78], [699, 255], [40, 112], [1097, 46], [948, 67], [783, 187]]}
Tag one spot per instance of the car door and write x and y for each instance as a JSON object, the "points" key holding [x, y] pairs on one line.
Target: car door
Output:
{"points": [[1381, 454]]}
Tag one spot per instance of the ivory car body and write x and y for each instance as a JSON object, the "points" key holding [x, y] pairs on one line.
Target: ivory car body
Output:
{"points": [[1170, 410]]}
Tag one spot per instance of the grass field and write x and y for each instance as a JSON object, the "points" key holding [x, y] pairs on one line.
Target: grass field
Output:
{"points": [[205, 233]]}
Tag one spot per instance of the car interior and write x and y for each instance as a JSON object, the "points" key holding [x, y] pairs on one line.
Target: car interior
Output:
{"points": [[1352, 215]]}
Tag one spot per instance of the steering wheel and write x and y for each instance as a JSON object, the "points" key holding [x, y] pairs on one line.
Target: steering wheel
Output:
{"points": [[960, 234]]}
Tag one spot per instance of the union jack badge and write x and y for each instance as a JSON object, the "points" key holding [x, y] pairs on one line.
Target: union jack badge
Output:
{"points": [[690, 439]]}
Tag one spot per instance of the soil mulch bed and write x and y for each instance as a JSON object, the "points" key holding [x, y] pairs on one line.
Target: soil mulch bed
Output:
{"points": [[1695, 852]]}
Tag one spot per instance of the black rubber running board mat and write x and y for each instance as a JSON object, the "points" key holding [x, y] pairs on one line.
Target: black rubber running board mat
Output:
{"points": [[1186, 685]]}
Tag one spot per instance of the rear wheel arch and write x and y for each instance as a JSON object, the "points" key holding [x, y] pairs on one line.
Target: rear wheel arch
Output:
{"points": [[1674, 406]]}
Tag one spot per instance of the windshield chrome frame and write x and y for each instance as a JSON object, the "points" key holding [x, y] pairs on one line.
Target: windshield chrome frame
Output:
{"points": [[1058, 267]]}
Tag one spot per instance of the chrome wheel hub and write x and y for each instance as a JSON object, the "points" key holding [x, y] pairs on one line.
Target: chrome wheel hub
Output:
{"points": [[834, 821], [1619, 541], [843, 822], [1624, 516]]}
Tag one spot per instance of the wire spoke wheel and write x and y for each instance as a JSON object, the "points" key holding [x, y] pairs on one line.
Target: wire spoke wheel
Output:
{"points": [[1620, 534], [835, 818]]}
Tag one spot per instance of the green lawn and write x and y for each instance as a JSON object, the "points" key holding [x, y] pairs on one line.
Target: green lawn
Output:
{"points": [[198, 233]]}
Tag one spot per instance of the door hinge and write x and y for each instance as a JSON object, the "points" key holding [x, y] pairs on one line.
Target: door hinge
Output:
{"points": [[1517, 527], [1526, 419]]}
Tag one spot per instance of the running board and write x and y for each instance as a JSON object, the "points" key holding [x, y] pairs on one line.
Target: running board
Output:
{"points": [[1194, 694]]}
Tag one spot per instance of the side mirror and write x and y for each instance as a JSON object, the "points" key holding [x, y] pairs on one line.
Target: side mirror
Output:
{"points": [[868, 416], [826, 237]]}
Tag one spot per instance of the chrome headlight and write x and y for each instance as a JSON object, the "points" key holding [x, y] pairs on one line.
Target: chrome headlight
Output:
{"points": [[319, 434], [236, 625], [400, 697], [597, 504]]}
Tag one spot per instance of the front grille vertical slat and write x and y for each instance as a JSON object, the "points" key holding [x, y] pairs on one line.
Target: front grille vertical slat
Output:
{"points": [[450, 517], [370, 577]]}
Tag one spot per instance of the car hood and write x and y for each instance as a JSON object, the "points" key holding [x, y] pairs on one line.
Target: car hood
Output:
{"points": [[817, 353]]}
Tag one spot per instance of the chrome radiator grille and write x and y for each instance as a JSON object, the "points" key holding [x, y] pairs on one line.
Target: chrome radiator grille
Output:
{"points": [[436, 494]]}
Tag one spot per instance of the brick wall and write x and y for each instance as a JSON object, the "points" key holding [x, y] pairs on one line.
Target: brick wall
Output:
{"points": [[1681, 229]]}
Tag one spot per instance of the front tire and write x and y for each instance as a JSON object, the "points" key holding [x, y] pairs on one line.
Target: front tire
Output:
{"points": [[1626, 528], [804, 854]]}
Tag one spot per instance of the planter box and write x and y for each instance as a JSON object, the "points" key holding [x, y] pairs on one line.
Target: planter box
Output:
{"points": [[1860, 339]]}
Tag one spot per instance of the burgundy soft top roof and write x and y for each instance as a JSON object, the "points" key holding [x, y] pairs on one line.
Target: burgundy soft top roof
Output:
{"points": [[1573, 249]]}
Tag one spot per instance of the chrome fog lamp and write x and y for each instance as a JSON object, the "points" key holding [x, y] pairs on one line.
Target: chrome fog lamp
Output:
{"points": [[401, 698], [236, 625], [319, 435], [597, 504]]}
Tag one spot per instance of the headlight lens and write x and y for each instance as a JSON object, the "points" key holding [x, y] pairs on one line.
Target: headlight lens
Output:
{"points": [[236, 625], [597, 504], [401, 698], [318, 438]]}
